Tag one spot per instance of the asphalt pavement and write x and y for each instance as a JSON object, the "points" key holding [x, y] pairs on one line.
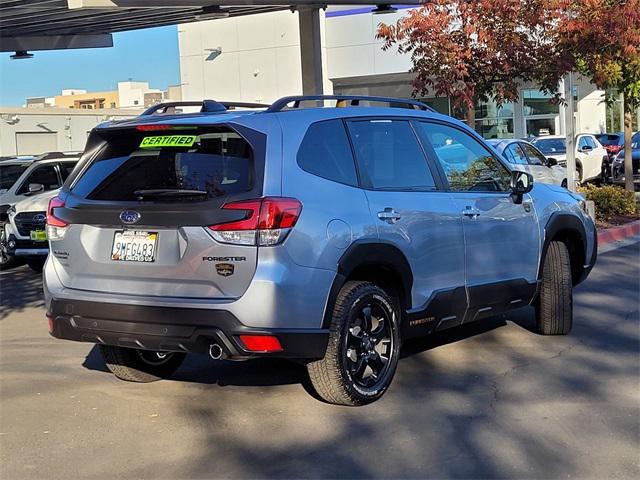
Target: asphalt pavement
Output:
{"points": [[486, 400]]}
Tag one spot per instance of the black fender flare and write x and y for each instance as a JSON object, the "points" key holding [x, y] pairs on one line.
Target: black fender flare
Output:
{"points": [[564, 222], [369, 252]]}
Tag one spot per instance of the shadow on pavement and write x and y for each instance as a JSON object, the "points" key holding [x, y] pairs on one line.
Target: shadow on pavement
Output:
{"points": [[20, 288]]}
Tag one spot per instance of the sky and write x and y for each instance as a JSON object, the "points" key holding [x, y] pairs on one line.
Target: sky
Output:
{"points": [[143, 55]]}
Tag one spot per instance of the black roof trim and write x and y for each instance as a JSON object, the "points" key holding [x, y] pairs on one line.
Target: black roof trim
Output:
{"points": [[354, 101]]}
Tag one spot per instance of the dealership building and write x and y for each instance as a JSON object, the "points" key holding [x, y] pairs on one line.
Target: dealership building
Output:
{"points": [[257, 58]]}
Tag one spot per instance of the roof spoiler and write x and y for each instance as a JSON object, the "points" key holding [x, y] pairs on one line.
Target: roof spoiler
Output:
{"points": [[206, 106], [347, 101]]}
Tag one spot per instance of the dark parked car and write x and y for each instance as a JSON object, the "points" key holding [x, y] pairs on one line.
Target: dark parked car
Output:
{"points": [[617, 166], [613, 143]]}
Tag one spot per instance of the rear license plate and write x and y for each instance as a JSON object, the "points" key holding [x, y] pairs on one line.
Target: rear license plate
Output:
{"points": [[134, 246], [38, 235]]}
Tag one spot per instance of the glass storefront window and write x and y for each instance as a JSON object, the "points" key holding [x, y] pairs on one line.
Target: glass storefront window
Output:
{"points": [[538, 127], [495, 127], [492, 110], [538, 103]]}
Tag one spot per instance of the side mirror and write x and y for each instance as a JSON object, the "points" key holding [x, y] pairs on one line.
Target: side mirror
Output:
{"points": [[551, 162], [586, 148], [35, 188], [521, 183]]}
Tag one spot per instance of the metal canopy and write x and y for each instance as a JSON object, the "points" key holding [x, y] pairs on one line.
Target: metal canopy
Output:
{"points": [[29, 24]]}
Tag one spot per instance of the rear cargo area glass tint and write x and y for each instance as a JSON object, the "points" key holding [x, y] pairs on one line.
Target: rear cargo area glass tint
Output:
{"points": [[219, 162]]}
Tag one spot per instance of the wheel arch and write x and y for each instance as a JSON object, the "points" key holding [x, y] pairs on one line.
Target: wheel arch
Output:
{"points": [[569, 229], [381, 263]]}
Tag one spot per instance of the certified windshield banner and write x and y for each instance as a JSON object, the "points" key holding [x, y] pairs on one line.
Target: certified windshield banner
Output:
{"points": [[168, 141]]}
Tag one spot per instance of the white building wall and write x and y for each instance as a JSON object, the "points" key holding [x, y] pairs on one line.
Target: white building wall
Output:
{"points": [[591, 114], [71, 129], [257, 59], [352, 47], [131, 94]]}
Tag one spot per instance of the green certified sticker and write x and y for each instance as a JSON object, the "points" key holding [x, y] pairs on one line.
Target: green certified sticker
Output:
{"points": [[168, 141]]}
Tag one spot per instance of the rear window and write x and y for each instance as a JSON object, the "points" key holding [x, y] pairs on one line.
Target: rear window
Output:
{"points": [[9, 174], [610, 139], [210, 163]]}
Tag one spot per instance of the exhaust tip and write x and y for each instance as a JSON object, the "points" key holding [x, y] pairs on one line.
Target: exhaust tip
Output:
{"points": [[215, 351]]}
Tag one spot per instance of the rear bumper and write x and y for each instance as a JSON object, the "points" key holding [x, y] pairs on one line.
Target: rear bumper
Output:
{"points": [[173, 329]]}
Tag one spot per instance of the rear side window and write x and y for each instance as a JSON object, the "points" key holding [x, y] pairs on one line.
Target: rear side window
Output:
{"points": [[389, 156], [325, 152], [213, 162], [9, 174]]}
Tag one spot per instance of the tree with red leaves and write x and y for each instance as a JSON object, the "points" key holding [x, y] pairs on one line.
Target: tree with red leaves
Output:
{"points": [[601, 40], [474, 50]]}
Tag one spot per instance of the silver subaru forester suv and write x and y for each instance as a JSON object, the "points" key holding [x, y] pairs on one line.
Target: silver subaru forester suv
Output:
{"points": [[322, 229]]}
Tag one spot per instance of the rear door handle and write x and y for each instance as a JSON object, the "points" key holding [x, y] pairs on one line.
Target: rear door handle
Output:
{"points": [[389, 215], [471, 212]]}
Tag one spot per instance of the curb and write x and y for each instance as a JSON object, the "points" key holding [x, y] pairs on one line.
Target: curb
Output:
{"points": [[615, 234]]}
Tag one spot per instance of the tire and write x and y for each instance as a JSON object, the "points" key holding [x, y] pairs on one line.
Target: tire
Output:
{"points": [[554, 309], [142, 366], [36, 264], [364, 338], [6, 261]]}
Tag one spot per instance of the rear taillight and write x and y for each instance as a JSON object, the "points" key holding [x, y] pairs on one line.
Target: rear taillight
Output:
{"points": [[267, 221], [261, 343], [56, 228]]}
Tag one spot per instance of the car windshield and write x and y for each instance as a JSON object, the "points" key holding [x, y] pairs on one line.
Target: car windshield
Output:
{"points": [[609, 139], [9, 174], [550, 145]]}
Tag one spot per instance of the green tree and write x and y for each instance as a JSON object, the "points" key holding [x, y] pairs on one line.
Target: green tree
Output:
{"points": [[601, 40], [474, 50]]}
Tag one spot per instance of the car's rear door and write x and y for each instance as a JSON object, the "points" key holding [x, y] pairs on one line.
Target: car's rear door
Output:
{"points": [[138, 213], [413, 213]]}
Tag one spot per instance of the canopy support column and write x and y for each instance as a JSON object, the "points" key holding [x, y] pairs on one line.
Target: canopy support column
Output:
{"points": [[310, 50]]}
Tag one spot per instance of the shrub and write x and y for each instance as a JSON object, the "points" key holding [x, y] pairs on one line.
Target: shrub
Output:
{"points": [[610, 200]]}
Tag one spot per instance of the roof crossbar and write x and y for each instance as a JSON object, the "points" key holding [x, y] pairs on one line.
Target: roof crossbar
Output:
{"points": [[353, 101], [206, 106]]}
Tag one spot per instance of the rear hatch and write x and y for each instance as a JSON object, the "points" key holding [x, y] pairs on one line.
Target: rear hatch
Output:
{"points": [[139, 211]]}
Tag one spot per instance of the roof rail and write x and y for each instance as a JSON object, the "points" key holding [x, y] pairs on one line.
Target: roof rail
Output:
{"points": [[206, 106], [56, 155], [354, 101]]}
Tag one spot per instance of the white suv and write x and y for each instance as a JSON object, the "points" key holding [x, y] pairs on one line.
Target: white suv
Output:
{"points": [[24, 177], [589, 154]]}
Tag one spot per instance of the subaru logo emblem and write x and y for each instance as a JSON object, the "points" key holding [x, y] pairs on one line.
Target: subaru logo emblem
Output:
{"points": [[129, 217], [39, 218]]}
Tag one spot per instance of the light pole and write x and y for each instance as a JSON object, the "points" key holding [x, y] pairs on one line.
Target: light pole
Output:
{"points": [[569, 131]]}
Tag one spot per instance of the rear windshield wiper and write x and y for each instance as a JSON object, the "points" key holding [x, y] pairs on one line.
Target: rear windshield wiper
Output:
{"points": [[168, 192]]}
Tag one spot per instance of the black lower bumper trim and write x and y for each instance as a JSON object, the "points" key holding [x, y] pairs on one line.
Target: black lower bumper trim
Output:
{"points": [[174, 329], [14, 244]]}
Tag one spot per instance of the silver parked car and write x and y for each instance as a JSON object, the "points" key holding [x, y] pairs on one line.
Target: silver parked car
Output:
{"points": [[527, 158], [327, 235]]}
